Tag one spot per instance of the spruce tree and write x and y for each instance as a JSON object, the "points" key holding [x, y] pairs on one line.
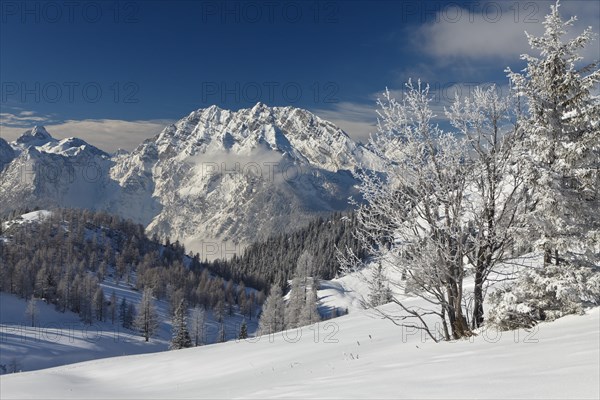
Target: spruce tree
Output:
{"points": [[123, 307], [379, 291], [561, 145], [181, 337], [243, 331]]}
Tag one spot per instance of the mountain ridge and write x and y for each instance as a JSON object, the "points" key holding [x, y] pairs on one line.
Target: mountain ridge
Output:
{"points": [[215, 177]]}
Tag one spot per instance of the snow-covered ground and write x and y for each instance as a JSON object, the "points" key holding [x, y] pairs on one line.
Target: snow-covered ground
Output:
{"points": [[354, 356], [61, 338], [358, 355], [28, 218]]}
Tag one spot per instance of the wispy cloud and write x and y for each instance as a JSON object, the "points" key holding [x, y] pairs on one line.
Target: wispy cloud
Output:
{"points": [[495, 31], [106, 134], [356, 119]]}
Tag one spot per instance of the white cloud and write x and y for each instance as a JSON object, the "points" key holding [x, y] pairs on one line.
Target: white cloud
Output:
{"points": [[496, 29], [24, 119], [357, 120], [106, 134]]}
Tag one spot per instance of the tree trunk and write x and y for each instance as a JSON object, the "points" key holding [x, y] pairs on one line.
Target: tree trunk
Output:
{"points": [[444, 324], [478, 300], [460, 327], [547, 257]]}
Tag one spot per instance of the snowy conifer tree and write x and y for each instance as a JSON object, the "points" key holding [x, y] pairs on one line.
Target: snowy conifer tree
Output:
{"points": [[123, 317], [221, 335], [99, 305], [295, 303], [180, 335], [112, 308], [562, 143], [31, 312], [310, 312], [146, 321], [272, 317], [197, 325], [379, 289], [243, 331]]}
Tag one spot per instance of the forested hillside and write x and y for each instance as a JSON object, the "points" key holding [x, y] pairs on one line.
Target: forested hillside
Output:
{"points": [[274, 260], [63, 255]]}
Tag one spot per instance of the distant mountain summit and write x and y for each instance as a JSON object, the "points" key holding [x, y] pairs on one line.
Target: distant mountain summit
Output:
{"points": [[35, 137], [215, 180]]}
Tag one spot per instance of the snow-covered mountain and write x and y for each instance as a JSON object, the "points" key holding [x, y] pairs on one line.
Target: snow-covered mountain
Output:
{"points": [[213, 180], [39, 170]]}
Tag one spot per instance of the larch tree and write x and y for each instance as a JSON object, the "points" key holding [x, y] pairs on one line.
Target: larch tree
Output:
{"points": [[99, 305], [272, 317], [31, 312], [197, 321], [221, 335], [146, 321], [310, 313], [112, 308], [295, 303]]}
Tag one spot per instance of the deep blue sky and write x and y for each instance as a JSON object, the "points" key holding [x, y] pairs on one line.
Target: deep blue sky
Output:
{"points": [[159, 60]]}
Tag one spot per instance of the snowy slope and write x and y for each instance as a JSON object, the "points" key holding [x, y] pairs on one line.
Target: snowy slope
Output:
{"points": [[61, 338], [352, 357], [28, 218]]}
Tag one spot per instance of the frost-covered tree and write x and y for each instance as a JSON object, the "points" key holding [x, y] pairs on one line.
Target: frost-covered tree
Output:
{"points": [[181, 337], [197, 321], [99, 305], [544, 294], [272, 317], [561, 131], [413, 218], [295, 303], [146, 321], [221, 334], [495, 192], [310, 313], [124, 316], [305, 265], [379, 289], [112, 308], [31, 311]]}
